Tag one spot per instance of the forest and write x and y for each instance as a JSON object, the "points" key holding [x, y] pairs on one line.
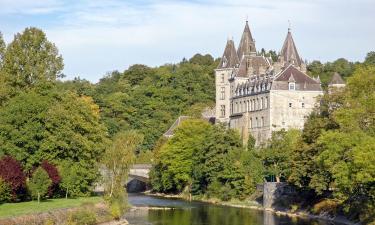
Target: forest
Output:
{"points": [[58, 131]]}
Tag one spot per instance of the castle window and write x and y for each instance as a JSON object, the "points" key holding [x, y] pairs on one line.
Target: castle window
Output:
{"points": [[292, 86], [258, 104], [248, 105], [290, 105], [222, 93], [236, 109], [256, 122], [222, 78], [262, 122], [251, 123], [303, 105], [261, 103], [266, 103], [251, 105], [240, 107], [222, 110]]}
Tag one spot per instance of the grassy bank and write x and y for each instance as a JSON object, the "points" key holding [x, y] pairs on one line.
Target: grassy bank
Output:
{"points": [[22, 208]]}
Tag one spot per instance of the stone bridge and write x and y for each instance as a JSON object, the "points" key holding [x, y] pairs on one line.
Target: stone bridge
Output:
{"points": [[138, 178]]}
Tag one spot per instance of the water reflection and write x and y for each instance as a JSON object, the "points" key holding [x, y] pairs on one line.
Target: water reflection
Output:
{"points": [[195, 213]]}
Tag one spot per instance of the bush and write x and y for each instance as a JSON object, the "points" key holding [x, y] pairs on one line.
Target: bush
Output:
{"points": [[82, 217], [326, 206], [116, 210], [5, 192], [11, 172]]}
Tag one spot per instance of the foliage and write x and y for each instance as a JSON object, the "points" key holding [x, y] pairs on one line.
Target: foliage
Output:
{"points": [[73, 179], [31, 60], [370, 58], [5, 191], [326, 71], [277, 155], [150, 99], [82, 217], [55, 127], [12, 174], [53, 174], [208, 160], [336, 150], [325, 206], [39, 183], [118, 158]]}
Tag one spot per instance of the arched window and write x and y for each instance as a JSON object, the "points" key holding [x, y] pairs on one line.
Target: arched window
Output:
{"points": [[256, 122], [251, 123], [248, 105], [261, 103], [222, 78], [266, 103], [262, 122]]}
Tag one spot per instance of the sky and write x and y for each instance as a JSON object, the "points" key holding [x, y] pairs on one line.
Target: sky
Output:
{"points": [[99, 36]]}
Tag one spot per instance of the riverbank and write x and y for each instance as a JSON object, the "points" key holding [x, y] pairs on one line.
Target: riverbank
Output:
{"points": [[256, 206]]}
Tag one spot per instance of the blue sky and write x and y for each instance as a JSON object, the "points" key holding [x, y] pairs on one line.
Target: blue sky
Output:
{"points": [[96, 37]]}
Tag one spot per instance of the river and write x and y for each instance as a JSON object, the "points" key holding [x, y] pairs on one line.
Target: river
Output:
{"points": [[198, 213]]}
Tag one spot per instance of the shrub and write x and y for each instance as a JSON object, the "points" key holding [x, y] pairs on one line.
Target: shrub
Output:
{"points": [[82, 217], [11, 172], [328, 206], [5, 191], [116, 210]]}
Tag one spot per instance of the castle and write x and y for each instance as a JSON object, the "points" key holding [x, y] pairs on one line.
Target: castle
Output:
{"points": [[256, 95]]}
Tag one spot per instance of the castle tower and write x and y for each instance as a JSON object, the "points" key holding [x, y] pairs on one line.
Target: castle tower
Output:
{"points": [[289, 54], [247, 44], [229, 61]]}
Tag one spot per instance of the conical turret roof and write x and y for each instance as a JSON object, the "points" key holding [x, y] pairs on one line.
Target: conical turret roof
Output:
{"points": [[289, 51], [229, 58], [247, 44], [336, 79]]}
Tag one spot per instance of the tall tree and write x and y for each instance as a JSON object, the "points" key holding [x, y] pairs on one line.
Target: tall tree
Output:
{"points": [[118, 158], [30, 60]]}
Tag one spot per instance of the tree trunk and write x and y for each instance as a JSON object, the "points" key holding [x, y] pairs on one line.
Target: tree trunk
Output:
{"points": [[277, 179], [66, 193], [38, 198]]}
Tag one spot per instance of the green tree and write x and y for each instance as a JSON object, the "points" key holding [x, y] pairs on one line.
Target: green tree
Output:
{"points": [[278, 153], [31, 60], [39, 183], [54, 127], [370, 58], [118, 158], [71, 181]]}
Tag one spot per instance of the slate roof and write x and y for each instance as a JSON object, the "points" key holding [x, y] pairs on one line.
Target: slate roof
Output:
{"points": [[256, 62], [229, 58], [302, 80], [247, 44], [289, 51], [336, 79]]}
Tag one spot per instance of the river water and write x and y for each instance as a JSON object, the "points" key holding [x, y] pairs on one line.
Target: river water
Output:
{"points": [[197, 213]]}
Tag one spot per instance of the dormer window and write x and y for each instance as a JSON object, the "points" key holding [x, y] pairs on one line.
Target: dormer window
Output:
{"points": [[292, 86]]}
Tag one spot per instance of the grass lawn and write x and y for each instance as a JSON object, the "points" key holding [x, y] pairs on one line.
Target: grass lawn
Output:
{"points": [[15, 209]]}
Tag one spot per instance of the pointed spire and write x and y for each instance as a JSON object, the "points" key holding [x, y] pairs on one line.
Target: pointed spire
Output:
{"points": [[229, 58], [289, 53], [247, 44]]}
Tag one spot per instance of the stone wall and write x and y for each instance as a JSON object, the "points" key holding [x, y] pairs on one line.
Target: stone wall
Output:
{"points": [[273, 192]]}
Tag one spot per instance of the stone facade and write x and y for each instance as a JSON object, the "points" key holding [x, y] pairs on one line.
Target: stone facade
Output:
{"points": [[256, 95]]}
